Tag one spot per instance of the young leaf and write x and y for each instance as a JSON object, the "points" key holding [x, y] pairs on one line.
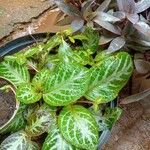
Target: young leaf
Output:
{"points": [[116, 44], [40, 78], [78, 126], [136, 97], [54, 140], [111, 116], [106, 121], [52, 62], [66, 84], [93, 39], [108, 77], [27, 94], [14, 73], [39, 122], [16, 141]]}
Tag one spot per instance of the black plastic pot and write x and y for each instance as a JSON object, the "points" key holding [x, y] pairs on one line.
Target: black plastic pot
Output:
{"points": [[21, 43]]}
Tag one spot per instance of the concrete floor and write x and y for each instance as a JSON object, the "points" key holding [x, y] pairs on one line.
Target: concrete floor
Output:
{"points": [[19, 17]]}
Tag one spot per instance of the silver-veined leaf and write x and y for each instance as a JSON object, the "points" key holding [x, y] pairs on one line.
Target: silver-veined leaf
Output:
{"points": [[33, 146], [78, 127], [39, 122], [55, 141], [16, 141], [108, 77], [14, 73], [40, 78], [79, 56], [66, 84], [27, 94]]}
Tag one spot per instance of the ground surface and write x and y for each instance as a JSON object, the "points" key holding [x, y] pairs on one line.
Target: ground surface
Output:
{"points": [[19, 17]]}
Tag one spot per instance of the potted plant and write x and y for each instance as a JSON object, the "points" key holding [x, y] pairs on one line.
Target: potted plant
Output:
{"points": [[64, 85]]}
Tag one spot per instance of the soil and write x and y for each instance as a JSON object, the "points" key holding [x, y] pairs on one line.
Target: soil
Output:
{"points": [[7, 104]]}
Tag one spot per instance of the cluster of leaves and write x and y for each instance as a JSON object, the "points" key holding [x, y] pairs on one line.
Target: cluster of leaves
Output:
{"points": [[60, 85], [121, 24]]}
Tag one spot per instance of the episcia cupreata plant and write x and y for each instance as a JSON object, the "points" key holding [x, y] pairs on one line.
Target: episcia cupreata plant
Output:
{"points": [[64, 86]]}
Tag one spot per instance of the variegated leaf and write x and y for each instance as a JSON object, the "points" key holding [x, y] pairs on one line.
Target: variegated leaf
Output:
{"points": [[27, 94], [33, 146], [39, 122], [55, 141], [66, 85], [108, 77], [79, 127], [16, 141], [40, 78], [14, 73]]}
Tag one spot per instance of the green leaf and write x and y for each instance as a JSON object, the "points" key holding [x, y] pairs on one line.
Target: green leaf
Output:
{"points": [[16, 141], [27, 94], [55, 141], [109, 77], [53, 61], [111, 116], [79, 56], [40, 78], [17, 123], [93, 40], [14, 73], [66, 84], [78, 126], [39, 122], [108, 119]]}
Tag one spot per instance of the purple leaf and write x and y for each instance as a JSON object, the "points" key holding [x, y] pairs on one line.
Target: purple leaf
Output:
{"points": [[77, 24], [104, 5], [104, 40], [136, 97], [134, 18], [119, 14], [106, 17], [116, 44], [108, 26], [66, 21], [142, 5], [143, 28], [127, 6], [86, 6], [68, 9], [142, 66]]}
